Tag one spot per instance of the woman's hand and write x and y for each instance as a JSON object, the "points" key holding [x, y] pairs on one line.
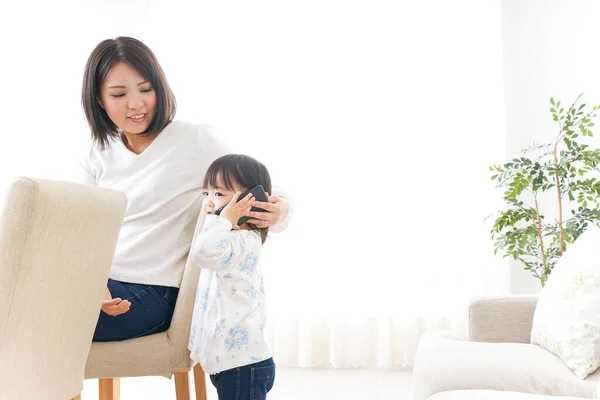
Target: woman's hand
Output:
{"points": [[276, 208], [235, 210], [114, 306]]}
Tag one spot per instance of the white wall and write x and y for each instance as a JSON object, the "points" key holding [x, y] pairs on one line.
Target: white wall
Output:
{"points": [[367, 111], [551, 49]]}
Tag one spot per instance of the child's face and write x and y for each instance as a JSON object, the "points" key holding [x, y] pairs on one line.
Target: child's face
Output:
{"points": [[216, 197]]}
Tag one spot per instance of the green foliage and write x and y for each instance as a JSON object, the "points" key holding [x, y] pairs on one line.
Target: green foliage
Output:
{"points": [[569, 168]]}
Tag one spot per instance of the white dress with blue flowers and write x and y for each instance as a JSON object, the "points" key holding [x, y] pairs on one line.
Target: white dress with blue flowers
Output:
{"points": [[230, 311]]}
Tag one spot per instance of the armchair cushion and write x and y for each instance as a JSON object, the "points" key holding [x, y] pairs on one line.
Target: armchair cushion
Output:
{"points": [[161, 354]]}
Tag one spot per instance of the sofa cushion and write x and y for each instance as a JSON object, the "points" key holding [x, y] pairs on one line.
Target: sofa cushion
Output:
{"points": [[494, 395], [566, 321], [444, 364]]}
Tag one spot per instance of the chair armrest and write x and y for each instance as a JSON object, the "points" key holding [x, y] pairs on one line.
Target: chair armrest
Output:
{"points": [[502, 319]]}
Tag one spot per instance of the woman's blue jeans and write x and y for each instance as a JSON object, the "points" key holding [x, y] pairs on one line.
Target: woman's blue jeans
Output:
{"points": [[250, 382], [151, 311]]}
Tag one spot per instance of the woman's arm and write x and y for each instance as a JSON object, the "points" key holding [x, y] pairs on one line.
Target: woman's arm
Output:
{"points": [[279, 212], [287, 210]]}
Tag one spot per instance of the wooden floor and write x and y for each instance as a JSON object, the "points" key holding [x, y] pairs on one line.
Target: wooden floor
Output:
{"points": [[290, 384]]}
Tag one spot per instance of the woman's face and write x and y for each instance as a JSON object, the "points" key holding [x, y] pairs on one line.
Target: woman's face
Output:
{"points": [[129, 99]]}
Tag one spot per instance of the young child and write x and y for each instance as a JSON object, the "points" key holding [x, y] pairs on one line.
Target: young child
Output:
{"points": [[227, 334]]}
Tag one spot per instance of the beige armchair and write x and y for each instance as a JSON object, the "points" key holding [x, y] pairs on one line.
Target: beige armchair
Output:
{"points": [[162, 354], [57, 242]]}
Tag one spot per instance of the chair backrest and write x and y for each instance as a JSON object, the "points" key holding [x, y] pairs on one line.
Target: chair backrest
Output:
{"points": [[57, 242], [179, 331]]}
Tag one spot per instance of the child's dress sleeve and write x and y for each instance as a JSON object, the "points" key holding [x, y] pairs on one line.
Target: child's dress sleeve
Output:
{"points": [[217, 247]]}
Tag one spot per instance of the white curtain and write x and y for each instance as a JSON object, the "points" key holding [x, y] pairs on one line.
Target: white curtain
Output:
{"points": [[380, 117]]}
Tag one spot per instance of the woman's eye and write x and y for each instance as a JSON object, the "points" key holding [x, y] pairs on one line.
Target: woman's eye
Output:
{"points": [[147, 90], [117, 95]]}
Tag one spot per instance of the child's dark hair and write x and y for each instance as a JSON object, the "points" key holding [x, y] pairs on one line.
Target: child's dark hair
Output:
{"points": [[243, 170], [135, 53]]}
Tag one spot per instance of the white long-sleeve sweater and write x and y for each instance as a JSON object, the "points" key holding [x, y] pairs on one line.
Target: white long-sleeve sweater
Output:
{"points": [[163, 185]]}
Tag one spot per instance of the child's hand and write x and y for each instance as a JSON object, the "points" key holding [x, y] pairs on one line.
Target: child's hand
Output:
{"points": [[234, 210]]}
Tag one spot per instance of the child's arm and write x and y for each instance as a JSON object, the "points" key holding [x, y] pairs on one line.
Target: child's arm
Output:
{"points": [[217, 246]]}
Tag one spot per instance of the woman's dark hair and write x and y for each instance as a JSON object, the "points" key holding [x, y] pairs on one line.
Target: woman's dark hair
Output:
{"points": [[243, 170], [135, 53]]}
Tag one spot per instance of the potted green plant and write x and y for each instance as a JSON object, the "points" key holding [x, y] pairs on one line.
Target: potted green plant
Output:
{"points": [[568, 168]]}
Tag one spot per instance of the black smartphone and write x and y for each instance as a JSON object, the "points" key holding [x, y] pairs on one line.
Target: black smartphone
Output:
{"points": [[259, 195]]}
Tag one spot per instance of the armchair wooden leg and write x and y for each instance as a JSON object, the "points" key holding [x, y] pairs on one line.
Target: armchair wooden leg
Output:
{"points": [[109, 389], [199, 382], [182, 386], [78, 397]]}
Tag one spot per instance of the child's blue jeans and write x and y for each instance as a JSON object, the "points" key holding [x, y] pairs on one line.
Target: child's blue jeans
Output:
{"points": [[250, 382]]}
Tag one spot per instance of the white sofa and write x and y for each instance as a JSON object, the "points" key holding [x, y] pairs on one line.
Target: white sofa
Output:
{"points": [[494, 395], [497, 362]]}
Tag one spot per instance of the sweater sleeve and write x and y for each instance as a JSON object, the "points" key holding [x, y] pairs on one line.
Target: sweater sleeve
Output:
{"points": [[209, 146], [218, 247], [87, 175], [286, 219]]}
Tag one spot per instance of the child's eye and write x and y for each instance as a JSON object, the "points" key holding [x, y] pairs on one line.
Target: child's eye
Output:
{"points": [[204, 194], [218, 194], [117, 95]]}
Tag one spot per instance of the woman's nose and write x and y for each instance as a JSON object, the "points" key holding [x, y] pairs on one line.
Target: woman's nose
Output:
{"points": [[135, 103]]}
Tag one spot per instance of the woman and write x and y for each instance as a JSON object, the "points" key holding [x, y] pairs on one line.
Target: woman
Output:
{"points": [[159, 164]]}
